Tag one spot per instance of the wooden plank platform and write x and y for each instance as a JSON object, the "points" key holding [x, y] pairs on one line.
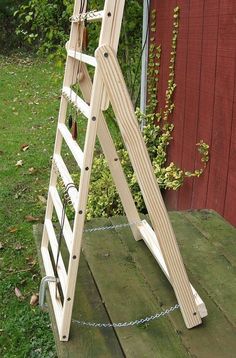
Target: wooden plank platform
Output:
{"points": [[119, 281]]}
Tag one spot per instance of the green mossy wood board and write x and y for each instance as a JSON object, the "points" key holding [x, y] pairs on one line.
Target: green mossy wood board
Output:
{"points": [[84, 342], [120, 280]]}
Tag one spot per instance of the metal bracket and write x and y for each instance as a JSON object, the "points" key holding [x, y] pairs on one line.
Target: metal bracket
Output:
{"points": [[42, 290]]}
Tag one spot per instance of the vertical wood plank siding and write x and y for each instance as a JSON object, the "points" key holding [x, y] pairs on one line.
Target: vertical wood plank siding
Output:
{"points": [[205, 100]]}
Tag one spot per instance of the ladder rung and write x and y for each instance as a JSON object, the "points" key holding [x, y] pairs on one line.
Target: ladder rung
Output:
{"points": [[54, 246], [90, 60], [78, 102], [72, 144], [56, 302], [89, 16], [66, 177], [67, 232]]}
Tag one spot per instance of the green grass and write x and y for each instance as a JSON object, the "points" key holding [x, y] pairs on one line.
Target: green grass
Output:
{"points": [[29, 102]]}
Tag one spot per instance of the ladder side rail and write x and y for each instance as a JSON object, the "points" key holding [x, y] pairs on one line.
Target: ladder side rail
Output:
{"points": [[81, 209], [97, 95], [70, 77], [122, 105], [113, 161], [110, 33], [68, 80]]}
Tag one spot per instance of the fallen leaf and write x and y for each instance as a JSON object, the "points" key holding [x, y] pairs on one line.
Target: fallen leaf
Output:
{"points": [[19, 163], [42, 199], [1, 152], [32, 170], [12, 230], [34, 299], [18, 293], [31, 260], [18, 247], [1, 245], [31, 218], [24, 147]]}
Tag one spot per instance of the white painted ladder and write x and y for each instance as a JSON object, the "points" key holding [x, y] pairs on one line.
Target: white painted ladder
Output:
{"points": [[108, 85]]}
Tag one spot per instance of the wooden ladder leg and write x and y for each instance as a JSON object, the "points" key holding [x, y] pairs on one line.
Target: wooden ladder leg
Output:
{"points": [[113, 161], [115, 85], [91, 133]]}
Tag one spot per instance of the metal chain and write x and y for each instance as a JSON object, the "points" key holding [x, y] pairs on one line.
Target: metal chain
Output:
{"points": [[83, 16], [112, 227], [127, 324]]}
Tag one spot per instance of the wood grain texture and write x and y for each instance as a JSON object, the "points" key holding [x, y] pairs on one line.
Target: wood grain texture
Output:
{"points": [[123, 268], [192, 95], [127, 296], [84, 342], [217, 274], [121, 103], [207, 96], [216, 337], [204, 102]]}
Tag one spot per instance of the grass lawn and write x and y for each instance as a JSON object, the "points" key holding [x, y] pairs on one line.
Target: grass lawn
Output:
{"points": [[29, 102]]}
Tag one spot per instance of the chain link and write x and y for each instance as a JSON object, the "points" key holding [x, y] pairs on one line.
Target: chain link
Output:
{"points": [[127, 324], [112, 227], [83, 16]]}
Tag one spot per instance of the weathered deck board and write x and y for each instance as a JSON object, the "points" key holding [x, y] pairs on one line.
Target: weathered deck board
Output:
{"points": [[219, 232], [130, 285], [216, 337], [85, 342], [208, 264], [128, 297]]}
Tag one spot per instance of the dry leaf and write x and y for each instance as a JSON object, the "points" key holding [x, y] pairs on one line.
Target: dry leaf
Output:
{"points": [[31, 261], [19, 163], [24, 147], [42, 199], [31, 218], [34, 299], [32, 170], [12, 230], [18, 247], [18, 293]]}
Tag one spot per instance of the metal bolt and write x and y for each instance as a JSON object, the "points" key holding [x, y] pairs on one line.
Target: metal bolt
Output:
{"points": [[94, 118], [106, 54]]}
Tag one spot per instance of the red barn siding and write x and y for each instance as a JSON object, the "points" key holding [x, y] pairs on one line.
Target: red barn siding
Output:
{"points": [[205, 100]]}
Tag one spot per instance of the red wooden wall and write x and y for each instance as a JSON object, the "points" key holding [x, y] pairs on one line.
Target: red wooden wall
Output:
{"points": [[205, 99]]}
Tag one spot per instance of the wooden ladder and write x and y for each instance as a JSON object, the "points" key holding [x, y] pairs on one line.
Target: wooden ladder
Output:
{"points": [[108, 86]]}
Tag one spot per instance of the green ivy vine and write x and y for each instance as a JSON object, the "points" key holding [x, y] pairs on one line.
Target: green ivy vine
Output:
{"points": [[103, 199]]}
